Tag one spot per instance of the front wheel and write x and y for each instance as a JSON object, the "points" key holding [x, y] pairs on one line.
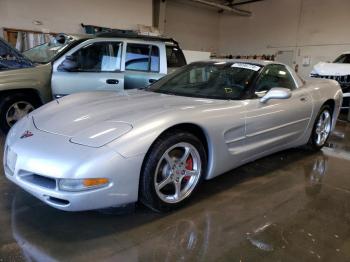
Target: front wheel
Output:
{"points": [[172, 171], [322, 128], [13, 108]]}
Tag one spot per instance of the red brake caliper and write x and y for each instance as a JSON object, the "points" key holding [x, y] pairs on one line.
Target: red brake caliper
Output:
{"points": [[189, 166]]}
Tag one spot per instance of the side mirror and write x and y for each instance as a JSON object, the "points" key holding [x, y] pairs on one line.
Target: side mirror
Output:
{"points": [[69, 64], [276, 93]]}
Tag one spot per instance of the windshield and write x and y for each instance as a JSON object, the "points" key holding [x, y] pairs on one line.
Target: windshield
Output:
{"points": [[218, 80], [10, 58], [343, 59], [46, 52]]}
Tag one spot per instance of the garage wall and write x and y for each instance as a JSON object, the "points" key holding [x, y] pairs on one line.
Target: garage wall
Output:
{"points": [[310, 28], [194, 26], [66, 15]]}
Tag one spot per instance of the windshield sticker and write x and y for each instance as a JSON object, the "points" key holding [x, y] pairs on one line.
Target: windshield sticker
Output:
{"points": [[247, 66]]}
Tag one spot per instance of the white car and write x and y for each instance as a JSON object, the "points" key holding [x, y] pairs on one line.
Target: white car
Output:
{"points": [[339, 70]]}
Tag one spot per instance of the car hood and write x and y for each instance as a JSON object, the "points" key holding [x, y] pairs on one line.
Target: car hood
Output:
{"points": [[72, 114], [10, 58], [333, 69]]}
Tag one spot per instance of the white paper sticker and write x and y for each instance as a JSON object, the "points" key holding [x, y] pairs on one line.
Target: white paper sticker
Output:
{"points": [[247, 66]]}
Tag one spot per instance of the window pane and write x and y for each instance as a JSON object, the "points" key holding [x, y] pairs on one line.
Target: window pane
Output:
{"points": [[111, 60], [175, 57], [155, 59], [275, 76], [98, 57], [223, 82], [137, 57], [344, 59]]}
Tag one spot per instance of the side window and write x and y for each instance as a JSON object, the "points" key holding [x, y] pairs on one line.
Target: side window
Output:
{"points": [[98, 57], [141, 57], [274, 76], [155, 59], [175, 57]]}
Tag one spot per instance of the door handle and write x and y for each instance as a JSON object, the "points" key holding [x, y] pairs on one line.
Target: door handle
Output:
{"points": [[303, 99], [112, 81], [151, 81]]}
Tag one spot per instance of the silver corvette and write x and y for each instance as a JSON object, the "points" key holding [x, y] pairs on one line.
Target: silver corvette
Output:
{"points": [[97, 150]]}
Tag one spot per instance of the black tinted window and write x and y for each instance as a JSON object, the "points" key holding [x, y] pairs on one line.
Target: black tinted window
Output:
{"points": [[344, 59], [98, 57], [175, 57], [274, 76], [142, 58]]}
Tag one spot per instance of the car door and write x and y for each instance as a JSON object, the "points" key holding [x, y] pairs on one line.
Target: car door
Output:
{"points": [[277, 122], [142, 64], [91, 66]]}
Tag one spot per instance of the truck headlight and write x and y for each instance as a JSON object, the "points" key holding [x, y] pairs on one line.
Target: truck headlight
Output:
{"points": [[75, 185]]}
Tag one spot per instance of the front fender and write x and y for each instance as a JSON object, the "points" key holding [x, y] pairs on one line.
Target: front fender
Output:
{"points": [[37, 78], [139, 140]]}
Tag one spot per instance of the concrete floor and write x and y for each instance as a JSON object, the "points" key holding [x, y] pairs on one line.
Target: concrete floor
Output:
{"points": [[292, 206]]}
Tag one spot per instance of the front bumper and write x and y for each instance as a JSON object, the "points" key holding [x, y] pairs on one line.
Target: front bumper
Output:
{"points": [[36, 164]]}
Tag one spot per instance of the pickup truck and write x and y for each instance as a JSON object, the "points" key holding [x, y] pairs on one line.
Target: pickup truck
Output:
{"points": [[111, 61]]}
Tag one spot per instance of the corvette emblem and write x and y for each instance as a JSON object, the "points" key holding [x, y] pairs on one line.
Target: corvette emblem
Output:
{"points": [[26, 134]]}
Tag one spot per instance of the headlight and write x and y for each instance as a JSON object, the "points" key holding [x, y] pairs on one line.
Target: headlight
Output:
{"points": [[75, 185]]}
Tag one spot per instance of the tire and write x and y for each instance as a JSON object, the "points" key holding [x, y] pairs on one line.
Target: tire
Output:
{"points": [[314, 142], [169, 176], [9, 115]]}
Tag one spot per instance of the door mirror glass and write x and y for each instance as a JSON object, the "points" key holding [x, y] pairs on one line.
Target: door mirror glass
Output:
{"points": [[69, 64], [276, 93]]}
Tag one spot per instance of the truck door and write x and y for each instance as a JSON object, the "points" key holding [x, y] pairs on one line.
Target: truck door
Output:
{"points": [[143, 64], [91, 66]]}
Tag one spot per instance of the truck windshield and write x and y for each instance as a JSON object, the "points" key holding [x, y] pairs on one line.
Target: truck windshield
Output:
{"points": [[10, 58], [46, 52], [343, 59]]}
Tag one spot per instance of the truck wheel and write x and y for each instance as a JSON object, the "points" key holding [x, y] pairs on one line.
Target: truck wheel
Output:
{"points": [[13, 108]]}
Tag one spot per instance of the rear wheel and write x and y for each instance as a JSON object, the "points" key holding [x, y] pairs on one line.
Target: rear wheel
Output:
{"points": [[13, 108], [172, 171], [322, 128]]}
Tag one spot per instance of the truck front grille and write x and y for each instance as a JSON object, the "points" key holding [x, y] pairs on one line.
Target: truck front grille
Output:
{"points": [[344, 81]]}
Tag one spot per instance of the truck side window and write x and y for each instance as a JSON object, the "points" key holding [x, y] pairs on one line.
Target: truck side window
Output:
{"points": [[140, 57], [98, 57], [175, 57], [154, 59]]}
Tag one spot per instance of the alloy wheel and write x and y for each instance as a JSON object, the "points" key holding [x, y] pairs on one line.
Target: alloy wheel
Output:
{"points": [[18, 110], [323, 128], [178, 172]]}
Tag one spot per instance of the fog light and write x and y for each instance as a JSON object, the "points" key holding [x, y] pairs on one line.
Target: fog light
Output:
{"points": [[82, 184]]}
